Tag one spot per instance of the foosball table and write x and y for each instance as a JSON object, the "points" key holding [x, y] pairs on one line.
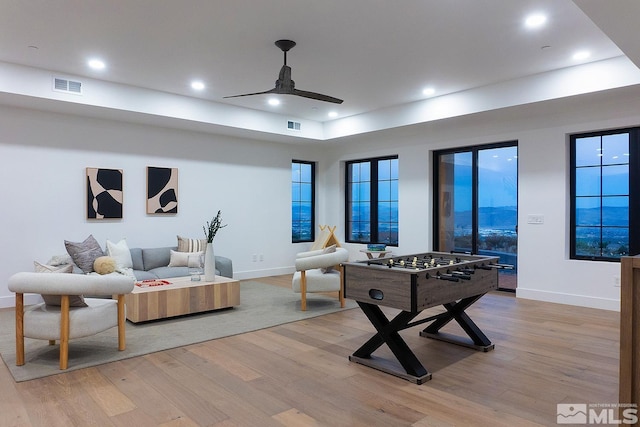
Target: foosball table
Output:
{"points": [[413, 283]]}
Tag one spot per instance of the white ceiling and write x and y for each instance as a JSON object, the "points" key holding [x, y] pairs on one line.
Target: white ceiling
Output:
{"points": [[374, 54]]}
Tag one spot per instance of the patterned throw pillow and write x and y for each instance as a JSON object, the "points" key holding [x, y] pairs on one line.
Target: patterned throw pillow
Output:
{"points": [[191, 245], [74, 300], [84, 253]]}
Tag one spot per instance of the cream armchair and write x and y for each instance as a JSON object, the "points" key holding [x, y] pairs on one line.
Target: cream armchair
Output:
{"points": [[63, 323], [317, 271]]}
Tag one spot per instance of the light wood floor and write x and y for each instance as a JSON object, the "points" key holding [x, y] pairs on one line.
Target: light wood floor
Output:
{"points": [[298, 374]]}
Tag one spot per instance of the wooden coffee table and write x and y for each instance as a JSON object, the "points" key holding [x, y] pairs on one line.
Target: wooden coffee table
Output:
{"points": [[180, 297]]}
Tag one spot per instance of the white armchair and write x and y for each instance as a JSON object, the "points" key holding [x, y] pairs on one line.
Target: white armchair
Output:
{"points": [[317, 271], [63, 323]]}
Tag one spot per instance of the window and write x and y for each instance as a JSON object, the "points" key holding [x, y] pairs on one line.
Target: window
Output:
{"points": [[372, 201], [302, 201], [605, 194], [476, 203]]}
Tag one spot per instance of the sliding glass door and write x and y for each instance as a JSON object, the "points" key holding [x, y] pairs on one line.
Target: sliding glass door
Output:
{"points": [[477, 203]]}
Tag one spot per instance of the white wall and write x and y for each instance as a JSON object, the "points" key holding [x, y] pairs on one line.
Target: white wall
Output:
{"points": [[44, 156], [545, 271]]}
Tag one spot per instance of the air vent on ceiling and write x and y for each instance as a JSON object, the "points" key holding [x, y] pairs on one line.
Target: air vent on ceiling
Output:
{"points": [[66, 85], [293, 125]]}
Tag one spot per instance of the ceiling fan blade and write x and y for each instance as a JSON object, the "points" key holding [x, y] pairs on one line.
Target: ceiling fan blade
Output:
{"points": [[251, 94], [316, 96], [286, 86]]}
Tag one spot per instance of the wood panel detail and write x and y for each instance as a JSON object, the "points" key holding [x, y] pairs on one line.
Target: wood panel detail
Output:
{"points": [[180, 297], [630, 331]]}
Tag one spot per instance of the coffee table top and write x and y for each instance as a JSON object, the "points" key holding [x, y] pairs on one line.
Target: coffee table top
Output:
{"points": [[179, 282]]}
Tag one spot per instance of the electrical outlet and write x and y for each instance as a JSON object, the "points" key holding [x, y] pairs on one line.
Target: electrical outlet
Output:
{"points": [[254, 257], [261, 257], [616, 281]]}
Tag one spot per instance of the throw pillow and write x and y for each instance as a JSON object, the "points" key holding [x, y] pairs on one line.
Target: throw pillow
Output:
{"points": [[181, 259], [191, 245], [61, 259], [120, 253], [104, 265], [328, 250], [74, 300], [84, 253], [44, 268]]}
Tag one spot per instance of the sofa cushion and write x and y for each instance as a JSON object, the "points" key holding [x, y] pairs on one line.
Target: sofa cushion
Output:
{"points": [[168, 272], [41, 321], [144, 275], [84, 253], [317, 281], [136, 258], [156, 257]]}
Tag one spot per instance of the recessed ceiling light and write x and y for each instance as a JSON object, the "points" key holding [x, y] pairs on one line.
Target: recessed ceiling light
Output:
{"points": [[583, 54], [197, 85], [332, 114], [535, 20], [274, 101], [96, 64], [428, 91]]}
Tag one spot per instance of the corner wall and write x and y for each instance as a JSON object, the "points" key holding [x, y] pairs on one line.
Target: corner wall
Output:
{"points": [[44, 156]]}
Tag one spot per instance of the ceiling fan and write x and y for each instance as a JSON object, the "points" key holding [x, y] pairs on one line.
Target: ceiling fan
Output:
{"points": [[286, 86]]}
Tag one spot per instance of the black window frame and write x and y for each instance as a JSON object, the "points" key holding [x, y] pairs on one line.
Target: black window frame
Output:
{"points": [[634, 192], [373, 200], [313, 202], [474, 150]]}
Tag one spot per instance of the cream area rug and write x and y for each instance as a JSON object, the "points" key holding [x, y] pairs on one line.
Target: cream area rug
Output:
{"points": [[261, 306]]}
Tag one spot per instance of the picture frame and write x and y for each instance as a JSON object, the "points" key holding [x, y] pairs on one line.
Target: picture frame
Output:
{"points": [[105, 193], [162, 190]]}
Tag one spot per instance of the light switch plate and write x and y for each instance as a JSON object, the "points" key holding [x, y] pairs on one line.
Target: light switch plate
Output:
{"points": [[535, 219]]}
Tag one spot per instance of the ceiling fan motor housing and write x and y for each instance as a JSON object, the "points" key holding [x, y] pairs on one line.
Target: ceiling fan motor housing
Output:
{"points": [[285, 45]]}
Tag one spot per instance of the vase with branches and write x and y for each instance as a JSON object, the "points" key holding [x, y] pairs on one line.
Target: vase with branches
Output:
{"points": [[210, 231]]}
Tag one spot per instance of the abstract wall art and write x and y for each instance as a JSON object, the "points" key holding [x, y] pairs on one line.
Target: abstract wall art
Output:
{"points": [[162, 190], [104, 193]]}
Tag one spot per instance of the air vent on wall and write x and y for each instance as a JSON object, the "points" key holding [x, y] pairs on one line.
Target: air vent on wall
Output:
{"points": [[66, 85], [293, 125]]}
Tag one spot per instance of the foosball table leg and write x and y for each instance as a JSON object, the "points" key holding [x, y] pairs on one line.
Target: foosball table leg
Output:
{"points": [[388, 333], [456, 311]]}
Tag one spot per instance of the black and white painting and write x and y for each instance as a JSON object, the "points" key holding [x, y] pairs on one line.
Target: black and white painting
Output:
{"points": [[104, 193], [162, 190]]}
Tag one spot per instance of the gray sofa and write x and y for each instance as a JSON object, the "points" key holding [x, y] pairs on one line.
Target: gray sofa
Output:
{"points": [[151, 263]]}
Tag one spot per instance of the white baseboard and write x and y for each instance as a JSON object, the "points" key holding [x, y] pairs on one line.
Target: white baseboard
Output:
{"points": [[256, 274], [10, 301], [569, 299]]}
